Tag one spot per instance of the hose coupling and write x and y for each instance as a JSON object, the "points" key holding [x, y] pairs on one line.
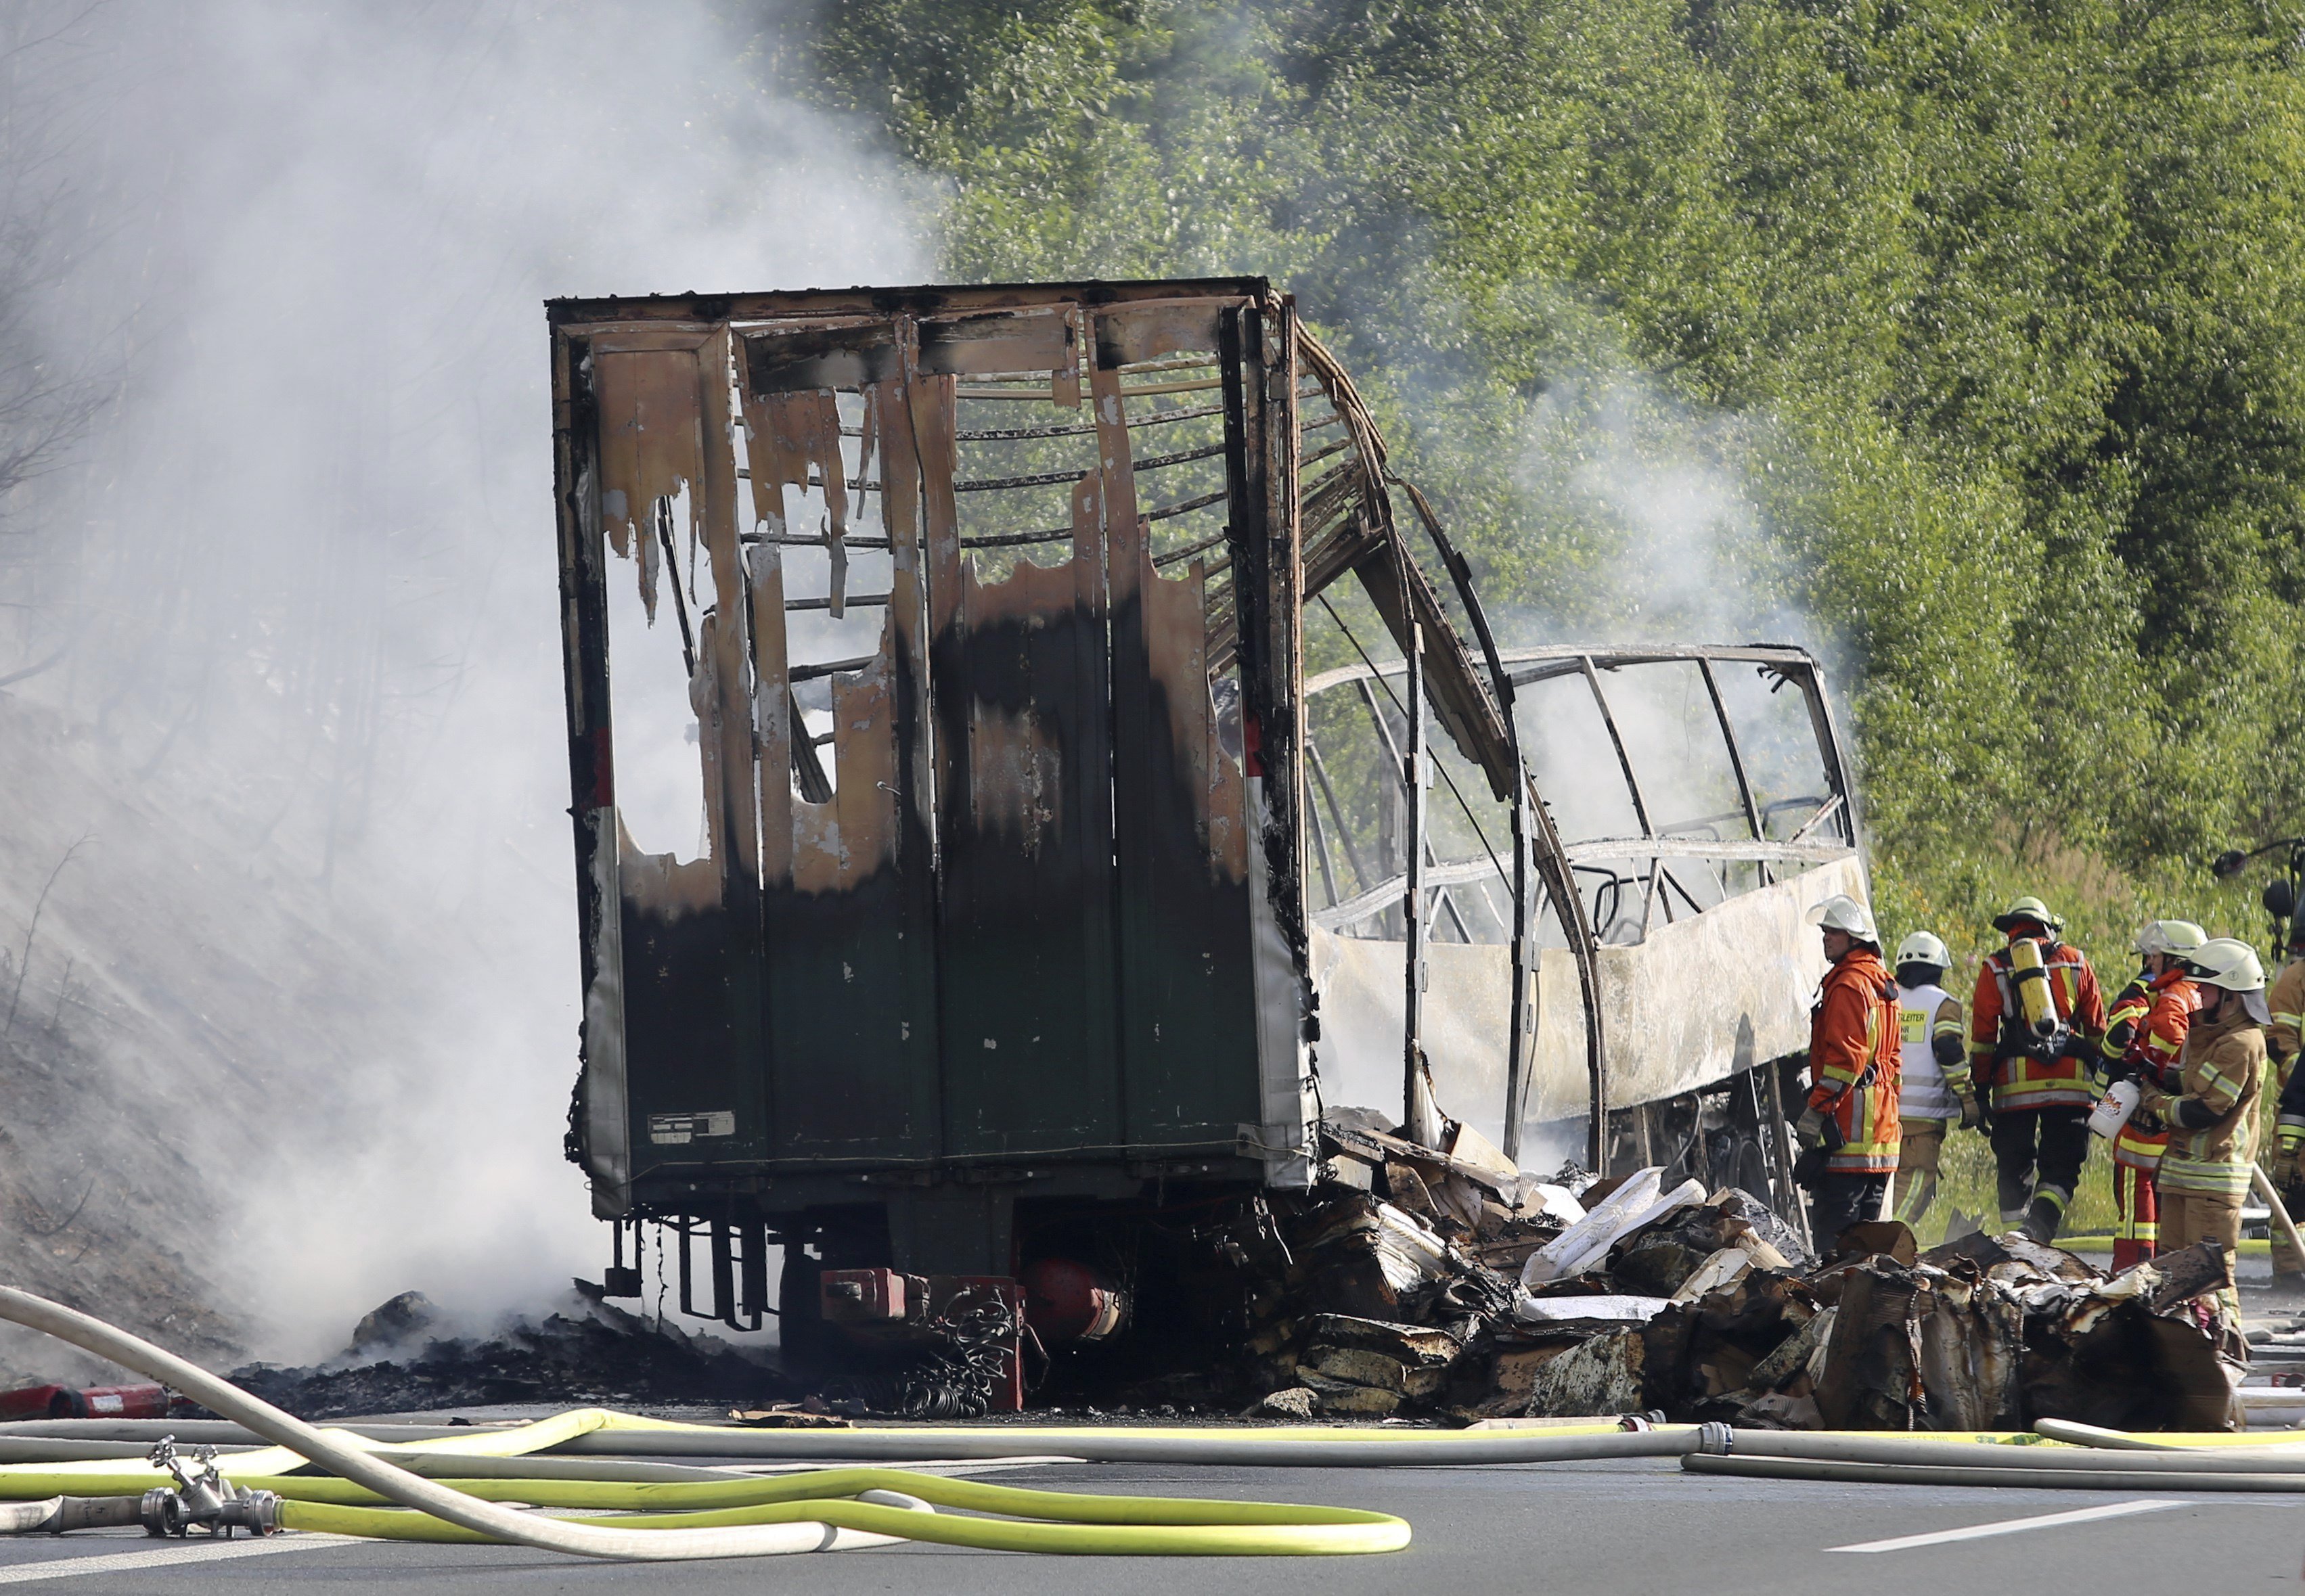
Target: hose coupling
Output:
{"points": [[1716, 1440], [203, 1498]]}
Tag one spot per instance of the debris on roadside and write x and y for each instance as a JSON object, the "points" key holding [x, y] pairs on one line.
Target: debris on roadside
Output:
{"points": [[1418, 1283], [395, 1322], [1432, 1283], [588, 1352], [144, 1400]]}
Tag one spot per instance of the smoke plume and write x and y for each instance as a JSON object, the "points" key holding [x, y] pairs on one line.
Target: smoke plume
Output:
{"points": [[286, 617]]}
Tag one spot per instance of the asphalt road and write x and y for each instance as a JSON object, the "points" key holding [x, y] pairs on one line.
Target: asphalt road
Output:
{"points": [[1635, 1526], [1595, 1529]]}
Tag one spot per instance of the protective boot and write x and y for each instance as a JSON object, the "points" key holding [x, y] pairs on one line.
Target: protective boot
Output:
{"points": [[2044, 1214]]}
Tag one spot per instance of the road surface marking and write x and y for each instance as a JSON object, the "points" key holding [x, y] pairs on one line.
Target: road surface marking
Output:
{"points": [[2009, 1526], [200, 1551]]}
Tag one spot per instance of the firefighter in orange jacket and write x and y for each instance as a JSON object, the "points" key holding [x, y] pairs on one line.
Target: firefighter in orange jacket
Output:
{"points": [[2144, 1032], [2036, 1057], [1849, 1132]]}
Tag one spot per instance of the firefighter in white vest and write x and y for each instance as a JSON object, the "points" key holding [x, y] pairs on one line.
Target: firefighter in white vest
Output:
{"points": [[1938, 1093]]}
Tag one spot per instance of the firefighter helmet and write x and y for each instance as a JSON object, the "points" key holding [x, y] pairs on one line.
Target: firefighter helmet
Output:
{"points": [[1924, 947], [2170, 936], [2024, 910], [1841, 913], [2228, 963]]}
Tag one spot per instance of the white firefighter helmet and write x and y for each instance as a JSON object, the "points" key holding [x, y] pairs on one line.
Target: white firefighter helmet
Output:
{"points": [[2179, 937], [2228, 963], [1841, 913], [1924, 947]]}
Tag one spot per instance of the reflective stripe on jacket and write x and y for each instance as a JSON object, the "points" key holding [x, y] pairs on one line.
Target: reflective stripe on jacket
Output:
{"points": [[2152, 1053], [2129, 1007], [1853, 1063], [2223, 1066], [1998, 1041]]}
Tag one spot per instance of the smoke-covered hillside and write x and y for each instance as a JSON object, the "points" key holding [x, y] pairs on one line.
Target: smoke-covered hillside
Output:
{"points": [[278, 616]]}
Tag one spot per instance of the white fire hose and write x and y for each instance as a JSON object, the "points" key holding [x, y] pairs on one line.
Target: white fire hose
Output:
{"points": [[485, 1518]]}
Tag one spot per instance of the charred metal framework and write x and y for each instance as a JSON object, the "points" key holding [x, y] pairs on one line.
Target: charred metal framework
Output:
{"points": [[1699, 797], [1033, 563]]}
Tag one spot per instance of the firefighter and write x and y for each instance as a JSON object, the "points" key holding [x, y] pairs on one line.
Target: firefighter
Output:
{"points": [[2208, 1101], [1933, 1089], [2144, 1030], [2035, 1027], [1848, 1131], [2286, 1000]]}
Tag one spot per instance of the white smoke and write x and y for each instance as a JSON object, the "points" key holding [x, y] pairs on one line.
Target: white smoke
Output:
{"points": [[1651, 524], [303, 577]]}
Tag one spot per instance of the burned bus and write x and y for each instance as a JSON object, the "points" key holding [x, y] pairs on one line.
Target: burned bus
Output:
{"points": [[1032, 758]]}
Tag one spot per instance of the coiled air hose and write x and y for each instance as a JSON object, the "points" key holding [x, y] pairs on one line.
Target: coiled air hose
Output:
{"points": [[851, 1509]]}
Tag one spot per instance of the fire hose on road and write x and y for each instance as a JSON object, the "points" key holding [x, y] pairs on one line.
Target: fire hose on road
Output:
{"points": [[827, 1511]]}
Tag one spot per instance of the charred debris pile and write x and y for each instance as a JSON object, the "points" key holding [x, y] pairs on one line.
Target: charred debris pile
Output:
{"points": [[1418, 1283], [400, 1360]]}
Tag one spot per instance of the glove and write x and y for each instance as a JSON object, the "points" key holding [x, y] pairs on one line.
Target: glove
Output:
{"points": [[2152, 1110], [1810, 1131], [2283, 1172], [1809, 1169], [1971, 1114]]}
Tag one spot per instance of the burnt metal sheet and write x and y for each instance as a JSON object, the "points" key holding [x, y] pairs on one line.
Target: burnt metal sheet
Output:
{"points": [[851, 354], [1027, 973], [1183, 903], [851, 1066], [688, 938], [999, 342]]}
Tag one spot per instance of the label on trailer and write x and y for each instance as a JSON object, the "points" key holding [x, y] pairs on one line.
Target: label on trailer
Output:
{"points": [[672, 1129]]}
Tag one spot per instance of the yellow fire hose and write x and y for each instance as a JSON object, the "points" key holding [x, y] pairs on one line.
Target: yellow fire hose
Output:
{"points": [[1068, 1521], [823, 1512]]}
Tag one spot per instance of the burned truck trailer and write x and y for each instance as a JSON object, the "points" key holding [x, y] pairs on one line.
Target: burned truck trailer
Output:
{"points": [[972, 878]]}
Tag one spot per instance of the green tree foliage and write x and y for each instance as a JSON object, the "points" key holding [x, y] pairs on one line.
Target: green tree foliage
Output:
{"points": [[1993, 314]]}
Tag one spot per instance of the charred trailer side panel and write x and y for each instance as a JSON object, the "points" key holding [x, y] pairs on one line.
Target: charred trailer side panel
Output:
{"points": [[985, 888]]}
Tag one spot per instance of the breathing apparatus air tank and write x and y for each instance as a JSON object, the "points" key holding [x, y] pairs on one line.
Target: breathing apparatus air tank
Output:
{"points": [[2030, 977]]}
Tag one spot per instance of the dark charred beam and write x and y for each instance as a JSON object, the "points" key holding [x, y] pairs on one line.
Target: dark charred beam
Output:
{"points": [[807, 770], [809, 673], [852, 600]]}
